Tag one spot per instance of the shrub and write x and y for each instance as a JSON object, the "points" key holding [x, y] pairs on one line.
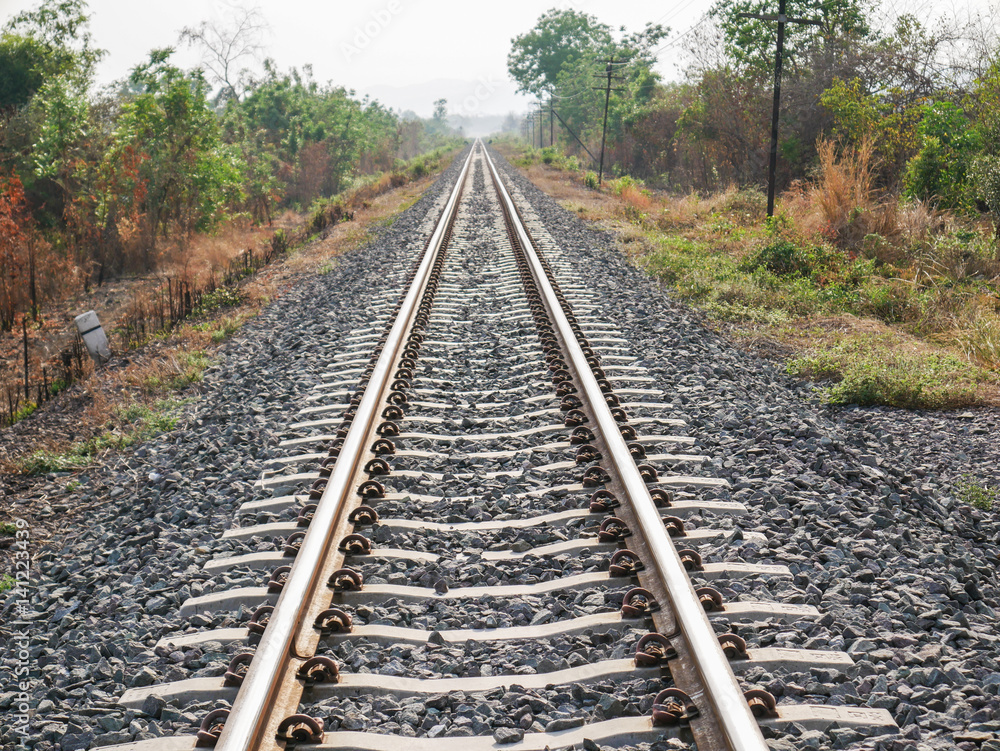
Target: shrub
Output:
{"points": [[785, 258], [939, 171], [418, 169], [985, 173], [590, 180], [279, 242], [744, 201], [223, 297]]}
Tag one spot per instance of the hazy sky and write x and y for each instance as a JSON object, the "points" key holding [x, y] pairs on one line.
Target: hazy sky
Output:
{"points": [[369, 45]]}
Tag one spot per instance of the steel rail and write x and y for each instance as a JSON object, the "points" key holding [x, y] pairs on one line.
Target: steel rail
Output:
{"points": [[737, 726], [250, 715]]}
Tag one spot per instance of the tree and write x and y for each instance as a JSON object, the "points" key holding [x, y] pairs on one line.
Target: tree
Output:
{"points": [[559, 36], [440, 117], [227, 47], [23, 62], [189, 175], [750, 43], [64, 115], [939, 171], [51, 39]]}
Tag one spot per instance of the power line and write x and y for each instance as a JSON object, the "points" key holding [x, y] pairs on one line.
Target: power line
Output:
{"points": [[677, 39]]}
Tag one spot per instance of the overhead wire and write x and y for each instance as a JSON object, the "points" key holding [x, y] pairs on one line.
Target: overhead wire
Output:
{"points": [[677, 39]]}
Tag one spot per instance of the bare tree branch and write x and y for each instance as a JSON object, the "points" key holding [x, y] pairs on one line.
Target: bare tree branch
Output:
{"points": [[229, 45]]}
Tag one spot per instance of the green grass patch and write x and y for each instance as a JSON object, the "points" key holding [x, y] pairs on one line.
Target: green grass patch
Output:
{"points": [[188, 368], [131, 424], [868, 370], [975, 493], [26, 410], [222, 328]]}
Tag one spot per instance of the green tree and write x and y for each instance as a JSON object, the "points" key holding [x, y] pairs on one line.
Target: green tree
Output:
{"points": [[948, 144], [190, 175], [560, 36], [750, 42], [23, 62], [859, 115], [64, 115], [49, 40]]}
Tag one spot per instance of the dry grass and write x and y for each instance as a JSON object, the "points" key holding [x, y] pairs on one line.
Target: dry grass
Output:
{"points": [[205, 254], [842, 204], [636, 198], [978, 335]]}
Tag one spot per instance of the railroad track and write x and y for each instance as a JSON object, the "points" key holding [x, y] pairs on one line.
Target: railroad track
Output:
{"points": [[486, 531]]}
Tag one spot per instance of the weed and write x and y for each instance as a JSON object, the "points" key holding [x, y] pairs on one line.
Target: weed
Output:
{"points": [[7, 583], [624, 183], [8, 529], [280, 242], [971, 491], [135, 423], [26, 410], [222, 328], [183, 371], [590, 180], [326, 268], [72, 485], [781, 257], [868, 370]]}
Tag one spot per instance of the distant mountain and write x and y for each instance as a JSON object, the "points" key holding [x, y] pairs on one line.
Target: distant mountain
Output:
{"points": [[466, 98]]}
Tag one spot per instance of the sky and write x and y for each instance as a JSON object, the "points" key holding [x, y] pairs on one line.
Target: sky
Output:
{"points": [[406, 53]]}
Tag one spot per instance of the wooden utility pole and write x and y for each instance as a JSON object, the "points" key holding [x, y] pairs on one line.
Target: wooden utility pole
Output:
{"points": [[541, 130], [608, 71], [782, 19], [552, 131]]}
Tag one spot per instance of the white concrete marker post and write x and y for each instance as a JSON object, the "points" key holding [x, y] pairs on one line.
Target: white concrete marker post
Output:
{"points": [[94, 337]]}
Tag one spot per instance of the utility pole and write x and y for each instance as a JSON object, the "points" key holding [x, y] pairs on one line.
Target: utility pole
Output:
{"points": [[782, 19], [608, 71], [552, 138], [541, 131]]}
